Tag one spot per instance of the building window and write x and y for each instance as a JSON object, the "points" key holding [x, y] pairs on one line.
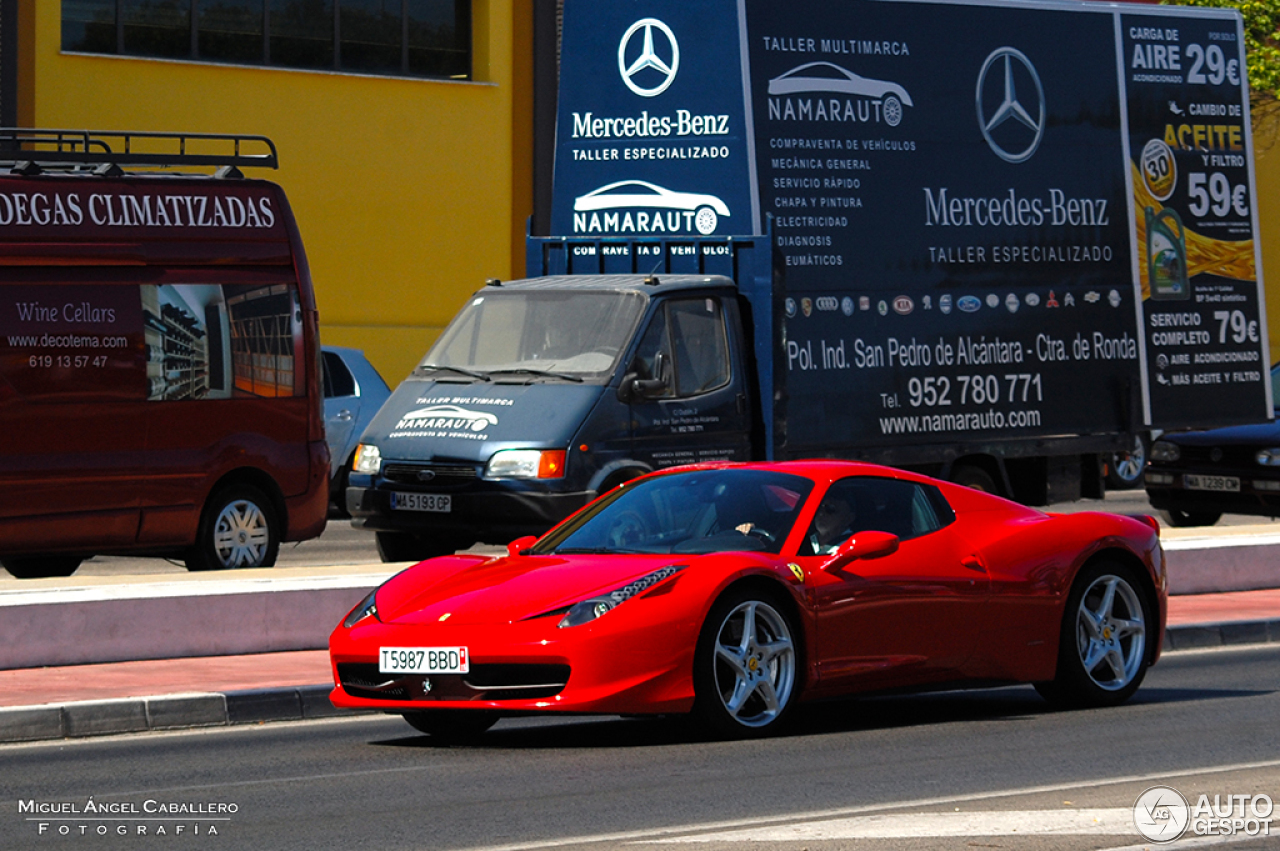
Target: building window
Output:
{"points": [[415, 38]]}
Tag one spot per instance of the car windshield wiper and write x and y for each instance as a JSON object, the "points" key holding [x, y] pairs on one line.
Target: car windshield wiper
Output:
{"points": [[542, 372], [479, 376]]}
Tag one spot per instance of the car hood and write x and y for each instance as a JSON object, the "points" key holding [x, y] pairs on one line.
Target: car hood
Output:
{"points": [[426, 419], [468, 590], [1248, 435]]}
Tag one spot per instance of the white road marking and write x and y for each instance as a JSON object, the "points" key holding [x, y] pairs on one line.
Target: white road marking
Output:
{"points": [[652, 835], [1065, 822]]}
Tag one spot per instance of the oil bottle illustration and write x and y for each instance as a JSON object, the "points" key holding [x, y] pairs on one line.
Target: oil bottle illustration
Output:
{"points": [[1166, 256]]}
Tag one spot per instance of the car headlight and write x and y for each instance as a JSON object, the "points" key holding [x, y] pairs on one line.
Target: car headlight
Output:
{"points": [[589, 610], [1163, 450], [527, 464], [1269, 457], [368, 459], [368, 606]]}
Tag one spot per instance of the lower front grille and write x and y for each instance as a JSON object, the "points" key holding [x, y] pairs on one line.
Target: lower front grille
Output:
{"points": [[483, 682]]}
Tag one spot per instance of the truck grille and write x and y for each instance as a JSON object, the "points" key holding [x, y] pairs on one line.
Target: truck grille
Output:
{"points": [[438, 475], [484, 682]]}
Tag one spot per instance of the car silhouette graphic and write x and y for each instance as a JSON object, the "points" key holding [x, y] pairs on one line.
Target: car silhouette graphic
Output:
{"points": [[640, 193], [829, 77]]}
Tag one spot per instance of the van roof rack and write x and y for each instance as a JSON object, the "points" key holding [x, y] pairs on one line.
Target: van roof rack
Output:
{"points": [[32, 150]]}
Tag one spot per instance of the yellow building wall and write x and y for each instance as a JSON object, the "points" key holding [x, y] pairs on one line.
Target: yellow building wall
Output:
{"points": [[408, 193]]}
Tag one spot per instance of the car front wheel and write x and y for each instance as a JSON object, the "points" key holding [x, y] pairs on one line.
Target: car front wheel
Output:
{"points": [[239, 528], [1102, 654], [41, 567], [745, 666]]}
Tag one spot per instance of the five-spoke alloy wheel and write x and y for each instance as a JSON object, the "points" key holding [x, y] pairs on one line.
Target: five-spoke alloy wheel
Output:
{"points": [[745, 667], [1103, 654]]}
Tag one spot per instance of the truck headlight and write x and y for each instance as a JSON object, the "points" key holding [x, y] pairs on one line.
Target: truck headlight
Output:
{"points": [[368, 459], [527, 464], [1163, 450]]}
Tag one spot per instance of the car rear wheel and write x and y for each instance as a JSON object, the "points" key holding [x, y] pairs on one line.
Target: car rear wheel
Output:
{"points": [[405, 546], [1183, 519], [452, 725], [745, 666], [239, 528], [40, 567], [1102, 652]]}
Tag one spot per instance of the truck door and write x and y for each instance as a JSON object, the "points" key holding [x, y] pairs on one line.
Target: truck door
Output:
{"points": [[696, 409]]}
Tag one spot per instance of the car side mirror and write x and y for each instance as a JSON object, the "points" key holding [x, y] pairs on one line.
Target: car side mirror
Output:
{"points": [[519, 545], [864, 545]]}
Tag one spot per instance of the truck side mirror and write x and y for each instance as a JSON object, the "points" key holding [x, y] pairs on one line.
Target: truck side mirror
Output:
{"points": [[634, 388], [869, 544]]}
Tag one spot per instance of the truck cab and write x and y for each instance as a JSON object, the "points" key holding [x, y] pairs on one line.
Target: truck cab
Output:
{"points": [[544, 393]]}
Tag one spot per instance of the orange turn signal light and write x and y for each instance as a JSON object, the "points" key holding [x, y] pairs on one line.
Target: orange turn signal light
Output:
{"points": [[551, 464]]}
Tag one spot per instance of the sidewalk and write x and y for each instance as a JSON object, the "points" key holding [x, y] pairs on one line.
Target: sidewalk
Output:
{"points": [[167, 694]]}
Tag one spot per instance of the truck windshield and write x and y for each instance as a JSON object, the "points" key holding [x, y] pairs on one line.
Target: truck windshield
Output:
{"points": [[527, 335]]}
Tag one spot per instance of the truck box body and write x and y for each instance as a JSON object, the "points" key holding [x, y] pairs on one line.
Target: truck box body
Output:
{"points": [[992, 237]]}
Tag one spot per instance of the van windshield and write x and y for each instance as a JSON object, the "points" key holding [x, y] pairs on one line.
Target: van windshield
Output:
{"points": [[533, 334]]}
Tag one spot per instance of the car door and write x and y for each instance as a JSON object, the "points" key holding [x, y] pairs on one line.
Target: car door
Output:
{"points": [[701, 413], [909, 617], [341, 409]]}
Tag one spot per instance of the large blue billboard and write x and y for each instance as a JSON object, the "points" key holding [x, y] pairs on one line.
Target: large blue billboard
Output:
{"points": [[956, 197]]}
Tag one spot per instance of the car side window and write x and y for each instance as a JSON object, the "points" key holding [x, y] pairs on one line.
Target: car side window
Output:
{"points": [[866, 503], [338, 380], [691, 334]]}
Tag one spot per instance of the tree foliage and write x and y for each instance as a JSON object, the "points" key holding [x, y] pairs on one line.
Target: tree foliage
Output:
{"points": [[1262, 51]]}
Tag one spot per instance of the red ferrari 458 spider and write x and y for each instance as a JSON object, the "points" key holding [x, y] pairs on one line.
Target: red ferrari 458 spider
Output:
{"points": [[734, 591]]}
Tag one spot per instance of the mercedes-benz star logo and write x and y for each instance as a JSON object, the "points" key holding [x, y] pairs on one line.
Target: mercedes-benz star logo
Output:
{"points": [[649, 65], [1010, 145]]}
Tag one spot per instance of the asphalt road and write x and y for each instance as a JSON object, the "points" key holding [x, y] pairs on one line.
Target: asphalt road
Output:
{"points": [[341, 544], [855, 775]]}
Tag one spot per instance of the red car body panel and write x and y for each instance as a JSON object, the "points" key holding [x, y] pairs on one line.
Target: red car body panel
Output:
{"points": [[982, 599]]}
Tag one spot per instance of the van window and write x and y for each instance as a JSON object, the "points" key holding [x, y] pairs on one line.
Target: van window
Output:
{"points": [[691, 333]]}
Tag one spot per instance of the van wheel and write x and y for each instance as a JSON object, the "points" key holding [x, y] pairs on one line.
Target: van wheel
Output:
{"points": [[40, 567], [1183, 519], [239, 528], [404, 546]]}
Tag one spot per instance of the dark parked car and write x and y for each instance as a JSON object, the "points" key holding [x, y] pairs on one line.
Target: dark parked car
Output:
{"points": [[1197, 476]]}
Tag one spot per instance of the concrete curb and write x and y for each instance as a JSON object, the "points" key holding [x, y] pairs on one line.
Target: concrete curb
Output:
{"points": [[299, 703], [80, 719]]}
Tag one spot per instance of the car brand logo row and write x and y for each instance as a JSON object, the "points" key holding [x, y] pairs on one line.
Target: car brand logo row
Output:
{"points": [[904, 305]]}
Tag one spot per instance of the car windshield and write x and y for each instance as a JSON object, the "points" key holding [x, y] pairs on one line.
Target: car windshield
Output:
{"points": [[699, 511], [536, 334]]}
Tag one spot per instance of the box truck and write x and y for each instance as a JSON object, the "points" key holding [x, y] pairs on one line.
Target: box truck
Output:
{"points": [[990, 241]]}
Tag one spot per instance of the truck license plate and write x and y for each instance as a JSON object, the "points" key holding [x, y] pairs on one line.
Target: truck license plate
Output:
{"points": [[423, 660], [1211, 483], [438, 502]]}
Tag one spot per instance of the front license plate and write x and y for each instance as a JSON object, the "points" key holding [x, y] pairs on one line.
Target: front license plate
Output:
{"points": [[1211, 483], [441, 503], [423, 660]]}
